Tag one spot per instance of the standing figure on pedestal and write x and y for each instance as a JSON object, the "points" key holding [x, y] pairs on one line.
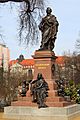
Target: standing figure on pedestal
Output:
{"points": [[39, 90], [49, 29]]}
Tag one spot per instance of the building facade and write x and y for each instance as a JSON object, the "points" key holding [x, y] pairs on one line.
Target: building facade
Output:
{"points": [[25, 66], [4, 57]]}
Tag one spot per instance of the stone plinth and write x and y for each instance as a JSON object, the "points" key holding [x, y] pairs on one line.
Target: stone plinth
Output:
{"points": [[50, 113], [44, 63], [44, 60]]}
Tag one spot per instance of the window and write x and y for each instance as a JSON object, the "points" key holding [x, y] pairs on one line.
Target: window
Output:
{"points": [[30, 72]]}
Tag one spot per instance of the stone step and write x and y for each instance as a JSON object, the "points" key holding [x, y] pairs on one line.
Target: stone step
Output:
{"points": [[23, 103], [28, 95], [50, 104], [54, 99], [50, 99], [50, 113], [24, 98], [58, 104], [50, 93]]}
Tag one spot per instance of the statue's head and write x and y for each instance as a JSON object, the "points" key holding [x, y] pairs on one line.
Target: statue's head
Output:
{"points": [[48, 10], [39, 76], [24, 81]]}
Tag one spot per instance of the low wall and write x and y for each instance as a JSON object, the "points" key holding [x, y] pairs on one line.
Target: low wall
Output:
{"points": [[49, 113]]}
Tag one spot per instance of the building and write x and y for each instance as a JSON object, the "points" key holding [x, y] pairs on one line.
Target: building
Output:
{"points": [[25, 66], [4, 57]]}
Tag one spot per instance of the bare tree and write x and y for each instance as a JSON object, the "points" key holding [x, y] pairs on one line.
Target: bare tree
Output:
{"points": [[30, 11], [70, 69], [78, 44], [8, 86]]}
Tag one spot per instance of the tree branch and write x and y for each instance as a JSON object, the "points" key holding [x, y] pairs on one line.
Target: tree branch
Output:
{"points": [[3, 1]]}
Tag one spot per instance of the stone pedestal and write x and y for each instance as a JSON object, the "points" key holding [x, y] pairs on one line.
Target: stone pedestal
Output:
{"points": [[45, 64], [50, 113]]}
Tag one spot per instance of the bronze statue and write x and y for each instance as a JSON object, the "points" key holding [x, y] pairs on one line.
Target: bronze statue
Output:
{"points": [[60, 87], [25, 88], [39, 90], [49, 29]]}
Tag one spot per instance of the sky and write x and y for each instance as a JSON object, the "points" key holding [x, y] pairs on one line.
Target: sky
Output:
{"points": [[68, 16]]}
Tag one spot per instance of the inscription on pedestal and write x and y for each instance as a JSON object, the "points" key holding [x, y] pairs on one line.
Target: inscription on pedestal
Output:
{"points": [[42, 66]]}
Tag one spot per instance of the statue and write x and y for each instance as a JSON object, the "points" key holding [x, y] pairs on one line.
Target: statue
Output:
{"points": [[39, 90], [25, 88], [60, 87], [49, 29]]}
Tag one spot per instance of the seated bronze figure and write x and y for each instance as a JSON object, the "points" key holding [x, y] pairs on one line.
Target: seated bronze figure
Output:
{"points": [[39, 91]]}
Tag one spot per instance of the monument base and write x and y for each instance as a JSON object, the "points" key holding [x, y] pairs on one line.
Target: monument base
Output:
{"points": [[50, 113], [44, 64]]}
